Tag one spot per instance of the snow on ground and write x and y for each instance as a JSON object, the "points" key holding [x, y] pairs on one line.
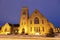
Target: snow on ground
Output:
{"points": [[27, 37]]}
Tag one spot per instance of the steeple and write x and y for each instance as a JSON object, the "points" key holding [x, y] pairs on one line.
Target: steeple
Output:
{"points": [[23, 19]]}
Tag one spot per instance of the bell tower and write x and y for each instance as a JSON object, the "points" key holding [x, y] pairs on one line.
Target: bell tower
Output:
{"points": [[23, 20]]}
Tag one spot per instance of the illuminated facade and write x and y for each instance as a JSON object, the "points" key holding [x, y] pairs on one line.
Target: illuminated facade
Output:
{"points": [[36, 24], [57, 30], [5, 29]]}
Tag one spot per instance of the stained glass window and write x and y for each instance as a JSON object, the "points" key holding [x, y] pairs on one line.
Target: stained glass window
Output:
{"points": [[36, 21]]}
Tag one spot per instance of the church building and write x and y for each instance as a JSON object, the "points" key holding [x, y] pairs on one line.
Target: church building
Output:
{"points": [[35, 24]]}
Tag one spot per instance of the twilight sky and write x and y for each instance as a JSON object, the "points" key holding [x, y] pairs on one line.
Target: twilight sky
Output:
{"points": [[10, 10]]}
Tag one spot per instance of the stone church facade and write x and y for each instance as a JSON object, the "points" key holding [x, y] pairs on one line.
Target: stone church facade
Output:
{"points": [[35, 24]]}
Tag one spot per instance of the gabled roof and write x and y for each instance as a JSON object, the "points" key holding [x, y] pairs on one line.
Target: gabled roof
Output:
{"points": [[38, 13], [6, 24]]}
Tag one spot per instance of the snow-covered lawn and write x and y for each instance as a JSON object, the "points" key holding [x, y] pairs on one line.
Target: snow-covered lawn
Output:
{"points": [[27, 37]]}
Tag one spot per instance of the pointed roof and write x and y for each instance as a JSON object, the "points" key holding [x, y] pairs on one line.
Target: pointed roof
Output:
{"points": [[37, 12], [6, 24]]}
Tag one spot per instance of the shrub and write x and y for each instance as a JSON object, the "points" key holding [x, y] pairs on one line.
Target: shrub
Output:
{"points": [[51, 33]]}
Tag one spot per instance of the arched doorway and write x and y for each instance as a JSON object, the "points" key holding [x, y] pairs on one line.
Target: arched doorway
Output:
{"points": [[23, 31]]}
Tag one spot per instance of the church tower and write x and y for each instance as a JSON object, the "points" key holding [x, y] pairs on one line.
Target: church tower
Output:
{"points": [[23, 21]]}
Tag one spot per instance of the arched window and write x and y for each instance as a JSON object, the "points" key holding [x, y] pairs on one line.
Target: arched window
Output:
{"points": [[31, 22], [5, 30], [37, 29], [30, 28], [36, 20], [43, 29]]}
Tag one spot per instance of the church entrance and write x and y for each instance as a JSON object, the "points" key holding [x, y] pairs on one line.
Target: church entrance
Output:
{"points": [[37, 33], [23, 31], [37, 30]]}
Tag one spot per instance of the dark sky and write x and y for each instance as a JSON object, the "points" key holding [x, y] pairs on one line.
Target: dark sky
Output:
{"points": [[10, 10]]}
